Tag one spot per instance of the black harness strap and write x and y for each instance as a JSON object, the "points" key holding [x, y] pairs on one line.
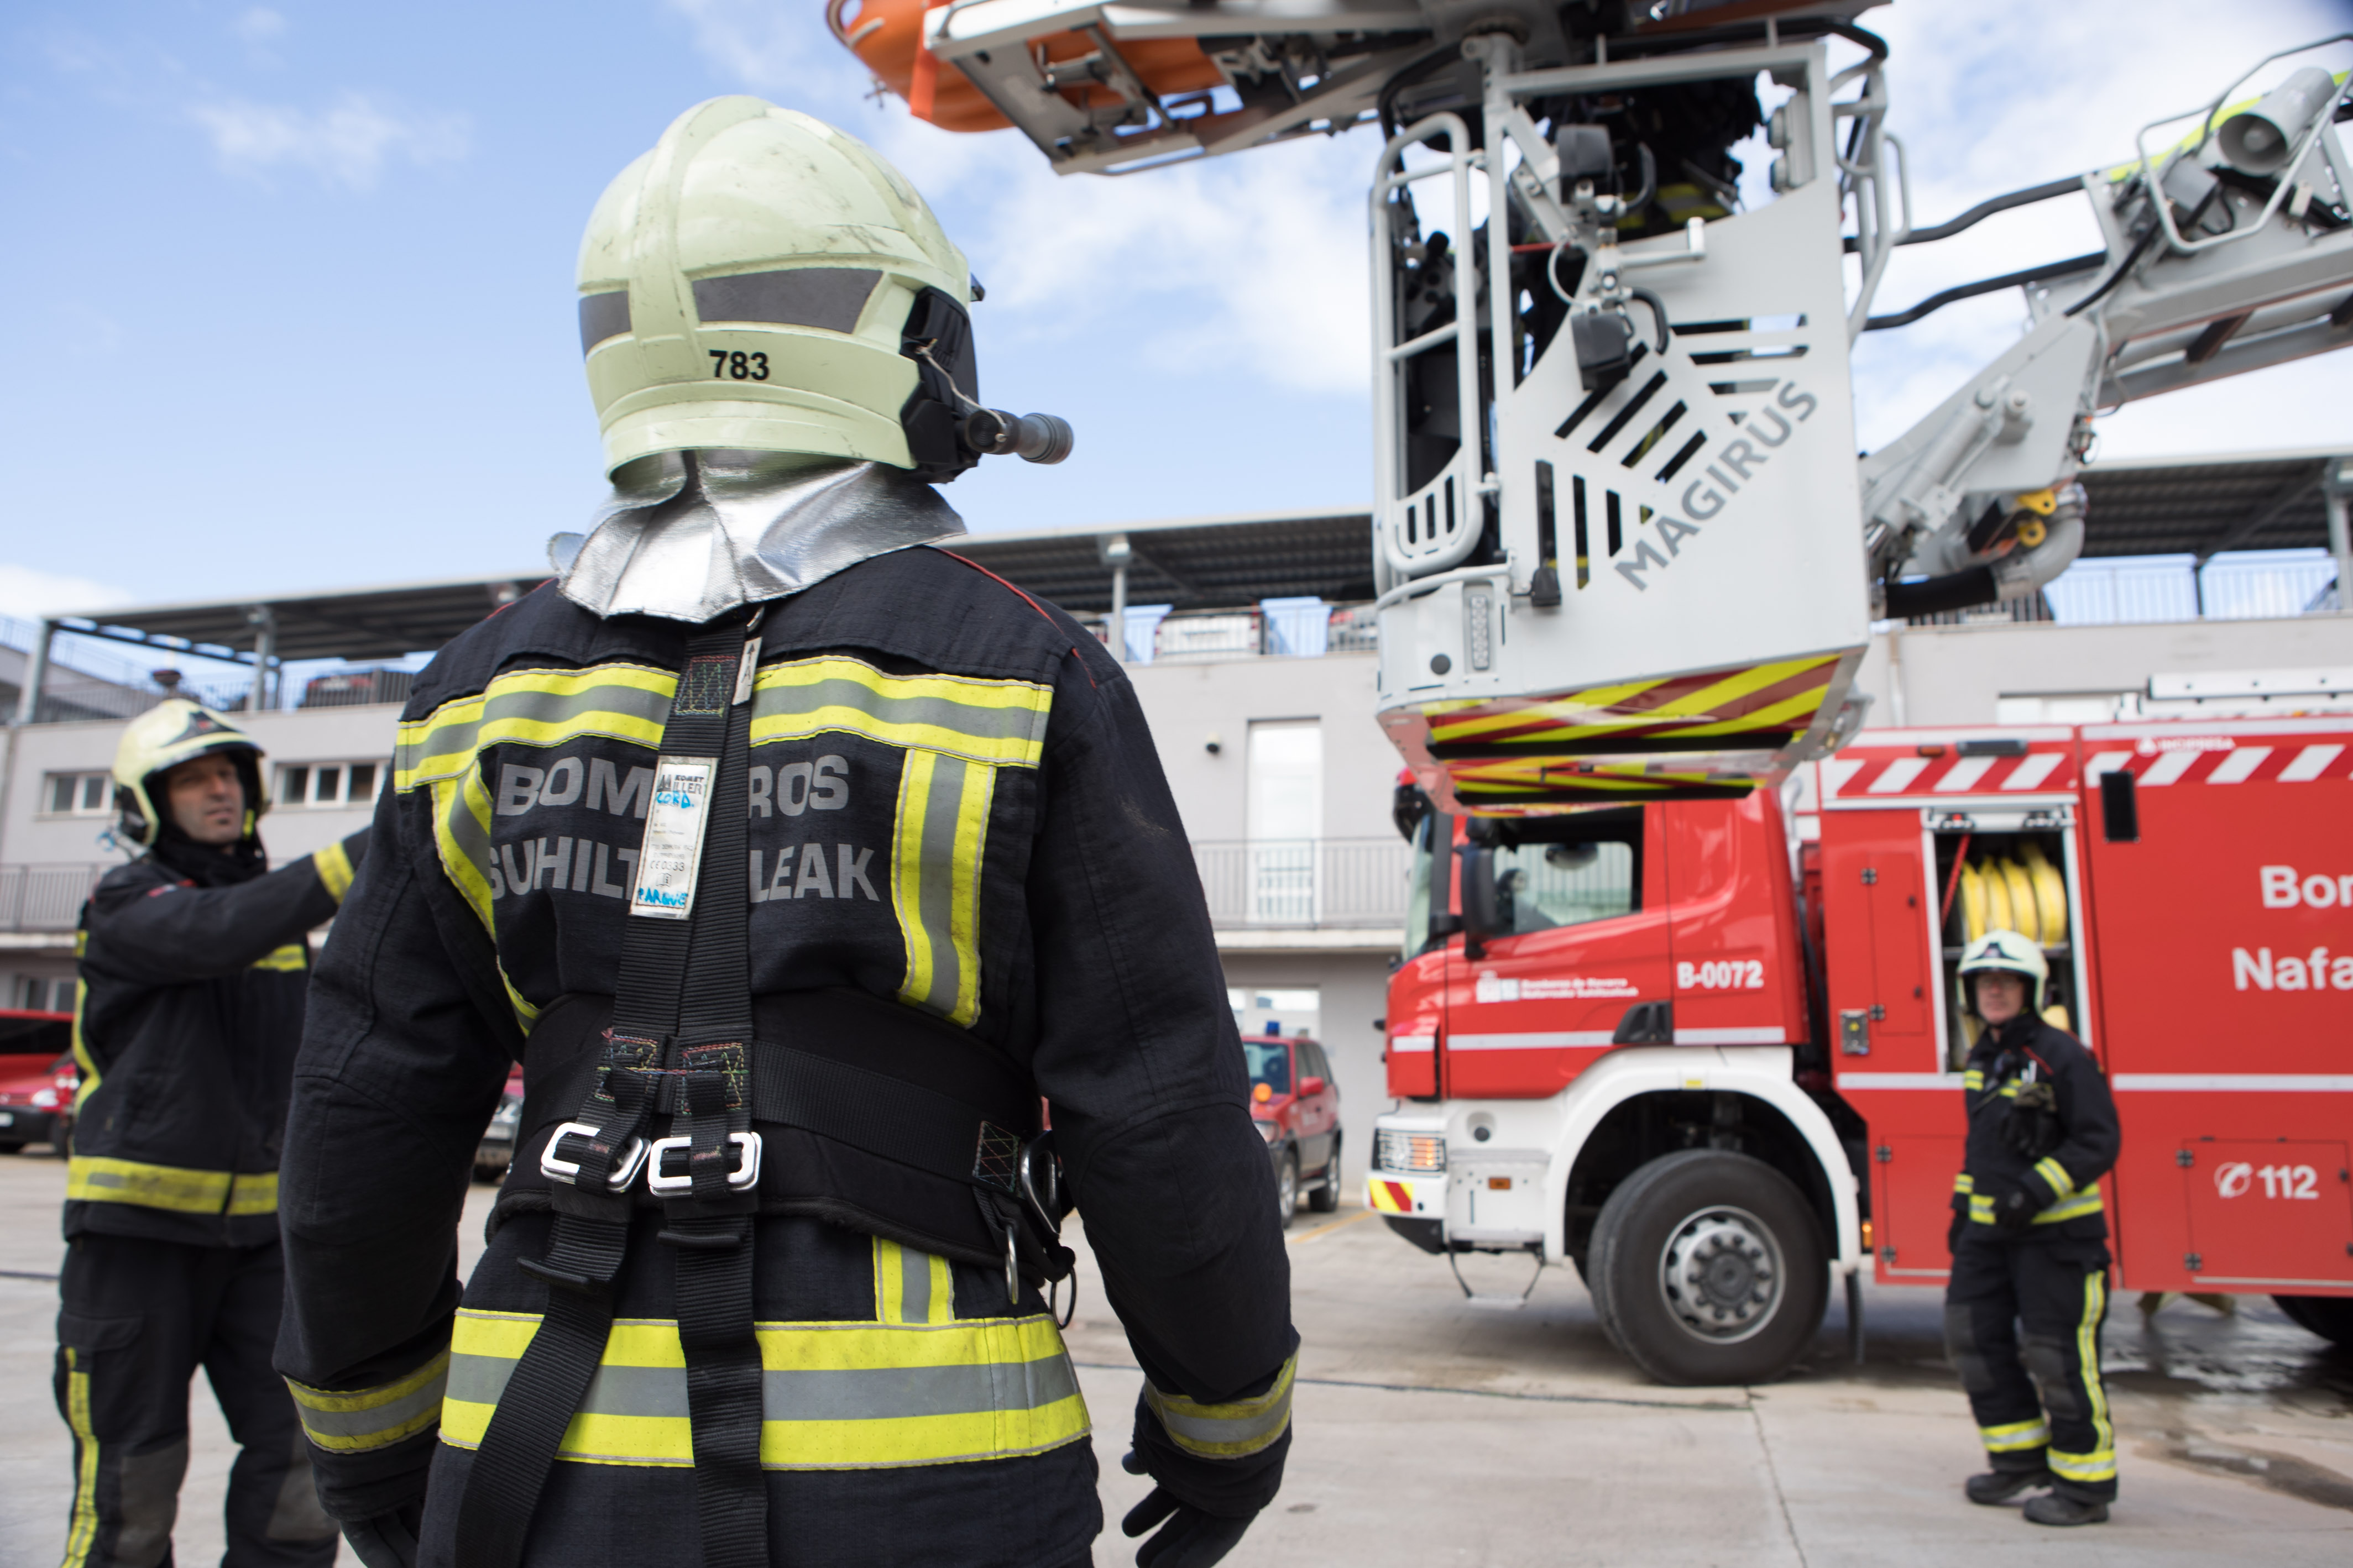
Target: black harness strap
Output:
{"points": [[704, 958], [709, 1228]]}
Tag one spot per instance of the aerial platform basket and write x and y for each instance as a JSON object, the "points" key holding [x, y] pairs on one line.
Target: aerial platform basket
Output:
{"points": [[1654, 592]]}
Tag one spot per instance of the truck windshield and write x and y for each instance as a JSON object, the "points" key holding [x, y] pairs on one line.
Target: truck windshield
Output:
{"points": [[1270, 1064], [1549, 885]]}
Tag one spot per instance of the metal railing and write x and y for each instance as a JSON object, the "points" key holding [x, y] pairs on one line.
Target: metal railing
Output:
{"points": [[2130, 591], [1275, 630], [47, 898], [1305, 881]]}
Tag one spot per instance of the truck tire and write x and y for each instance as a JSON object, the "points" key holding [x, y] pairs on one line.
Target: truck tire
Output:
{"points": [[1708, 1267], [2331, 1317], [1325, 1199], [1286, 1187]]}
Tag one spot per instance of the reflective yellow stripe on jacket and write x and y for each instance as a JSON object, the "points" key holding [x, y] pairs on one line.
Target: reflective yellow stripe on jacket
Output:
{"points": [[993, 721], [439, 753], [1226, 1431], [2074, 1206], [836, 1395], [334, 869], [356, 1420], [96, 1180]]}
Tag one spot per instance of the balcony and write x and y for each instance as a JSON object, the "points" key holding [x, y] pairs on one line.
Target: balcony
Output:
{"points": [[1335, 884], [46, 899]]}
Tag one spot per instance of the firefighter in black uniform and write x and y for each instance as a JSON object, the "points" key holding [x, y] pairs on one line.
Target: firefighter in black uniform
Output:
{"points": [[2030, 1245], [194, 965], [796, 861]]}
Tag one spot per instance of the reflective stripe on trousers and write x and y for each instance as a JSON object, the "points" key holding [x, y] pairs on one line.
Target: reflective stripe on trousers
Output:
{"points": [[835, 1396], [2100, 1464]]}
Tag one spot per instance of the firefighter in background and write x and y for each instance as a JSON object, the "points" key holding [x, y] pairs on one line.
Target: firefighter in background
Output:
{"points": [[2029, 1287], [194, 966], [763, 1285]]}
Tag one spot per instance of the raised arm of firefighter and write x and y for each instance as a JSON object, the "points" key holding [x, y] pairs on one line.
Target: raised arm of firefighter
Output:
{"points": [[148, 927]]}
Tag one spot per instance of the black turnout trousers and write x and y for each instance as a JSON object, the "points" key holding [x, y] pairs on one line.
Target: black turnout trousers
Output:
{"points": [[139, 1317], [2022, 1322]]}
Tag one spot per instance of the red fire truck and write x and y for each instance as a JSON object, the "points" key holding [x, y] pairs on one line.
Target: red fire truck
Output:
{"points": [[1708, 1051]]}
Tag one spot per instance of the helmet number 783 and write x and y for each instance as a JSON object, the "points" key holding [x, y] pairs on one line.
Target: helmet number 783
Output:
{"points": [[738, 365]]}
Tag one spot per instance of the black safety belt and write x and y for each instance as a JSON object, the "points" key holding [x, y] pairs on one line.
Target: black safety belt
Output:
{"points": [[679, 1043]]}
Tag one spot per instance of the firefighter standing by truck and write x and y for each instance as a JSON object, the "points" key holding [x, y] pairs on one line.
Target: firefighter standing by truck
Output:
{"points": [[194, 965], [764, 1283], [2029, 1287]]}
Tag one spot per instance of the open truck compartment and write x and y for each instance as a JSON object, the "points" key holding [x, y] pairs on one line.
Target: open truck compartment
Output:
{"points": [[2187, 885]]}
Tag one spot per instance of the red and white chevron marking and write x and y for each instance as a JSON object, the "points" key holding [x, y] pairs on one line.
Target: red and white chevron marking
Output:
{"points": [[2188, 759], [2219, 760], [1865, 777]]}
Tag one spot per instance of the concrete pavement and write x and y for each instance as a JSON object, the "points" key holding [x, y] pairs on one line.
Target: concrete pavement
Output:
{"points": [[1433, 1431]]}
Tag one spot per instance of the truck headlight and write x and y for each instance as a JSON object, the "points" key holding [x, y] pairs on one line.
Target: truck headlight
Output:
{"points": [[1416, 1151], [1270, 1130]]}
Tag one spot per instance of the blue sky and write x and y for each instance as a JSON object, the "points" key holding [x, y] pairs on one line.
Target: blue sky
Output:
{"points": [[293, 283]]}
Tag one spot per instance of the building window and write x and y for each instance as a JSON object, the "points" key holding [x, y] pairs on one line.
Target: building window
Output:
{"points": [[77, 795], [35, 994], [1284, 809], [326, 783]]}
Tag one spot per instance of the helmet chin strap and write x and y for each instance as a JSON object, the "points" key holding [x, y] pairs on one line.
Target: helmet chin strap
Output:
{"points": [[690, 535]]}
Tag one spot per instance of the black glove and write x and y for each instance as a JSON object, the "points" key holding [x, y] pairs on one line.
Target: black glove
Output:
{"points": [[1190, 1539], [389, 1540], [1954, 1231], [2014, 1208]]}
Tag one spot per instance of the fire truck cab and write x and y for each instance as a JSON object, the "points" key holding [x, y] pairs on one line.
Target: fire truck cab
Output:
{"points": [[1709, 1051]]}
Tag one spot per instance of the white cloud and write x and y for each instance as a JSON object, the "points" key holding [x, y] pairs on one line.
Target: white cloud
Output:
{"points": [[1255, 265], [258, 24], [1250, 265], [29, 592], [346, 144]]}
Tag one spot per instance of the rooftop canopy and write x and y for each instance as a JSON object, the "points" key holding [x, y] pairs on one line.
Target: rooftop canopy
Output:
{"points": [[2193, 506]]}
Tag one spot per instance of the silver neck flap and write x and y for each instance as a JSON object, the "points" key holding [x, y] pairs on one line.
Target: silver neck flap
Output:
{"points": [[690, 535]]}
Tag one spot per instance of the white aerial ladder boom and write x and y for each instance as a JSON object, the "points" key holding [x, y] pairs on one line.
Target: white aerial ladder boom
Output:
{"points": [[1623, 547]]}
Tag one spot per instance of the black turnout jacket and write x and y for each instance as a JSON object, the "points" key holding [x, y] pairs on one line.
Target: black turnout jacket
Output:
{"points": [[2061, 1185], [192, 973], [955, 806]]}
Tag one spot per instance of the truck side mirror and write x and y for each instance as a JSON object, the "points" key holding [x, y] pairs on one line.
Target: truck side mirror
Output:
{"points": [[1482, 915]]}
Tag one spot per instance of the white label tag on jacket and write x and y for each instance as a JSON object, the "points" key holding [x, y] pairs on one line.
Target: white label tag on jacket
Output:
{"points": [[747, 669], [672, 856]]}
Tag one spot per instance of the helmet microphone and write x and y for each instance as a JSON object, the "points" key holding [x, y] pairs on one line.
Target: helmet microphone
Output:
{"points": [[1034, 437]]}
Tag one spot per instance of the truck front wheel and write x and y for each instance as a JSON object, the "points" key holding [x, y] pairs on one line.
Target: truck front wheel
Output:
{"points": [[1708, 1267], [2331, 1317]]}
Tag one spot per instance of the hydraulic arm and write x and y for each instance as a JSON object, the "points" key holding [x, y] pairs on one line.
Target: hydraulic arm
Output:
{"points": [[1624, 548]]}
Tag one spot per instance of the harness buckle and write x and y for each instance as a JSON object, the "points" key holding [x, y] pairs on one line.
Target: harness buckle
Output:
{"points": [[744, 1176], [557, 1168]]}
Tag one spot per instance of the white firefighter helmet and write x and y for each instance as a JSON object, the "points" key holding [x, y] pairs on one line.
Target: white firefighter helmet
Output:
{"points": [[2008, 953], [762, 281], [162, 738]]}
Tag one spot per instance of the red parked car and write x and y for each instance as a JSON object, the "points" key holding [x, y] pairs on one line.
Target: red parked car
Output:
{"points": [[496, 1151], [1297, 1107], [37, 1079]]}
